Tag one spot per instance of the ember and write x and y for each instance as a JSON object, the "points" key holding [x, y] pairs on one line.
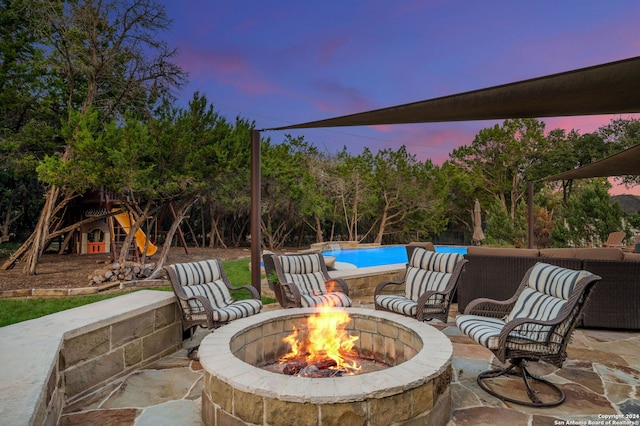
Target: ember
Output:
{"points": [[324, 349]]}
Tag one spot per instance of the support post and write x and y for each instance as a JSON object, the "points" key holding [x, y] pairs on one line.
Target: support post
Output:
{"points": [[256, 234], [530, 221]]}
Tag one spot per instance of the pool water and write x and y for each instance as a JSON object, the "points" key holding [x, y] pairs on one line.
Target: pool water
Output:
{"points": [[384, 255]]}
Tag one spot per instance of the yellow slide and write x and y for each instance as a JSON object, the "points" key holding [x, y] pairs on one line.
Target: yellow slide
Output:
{"points": [[141, 239]]}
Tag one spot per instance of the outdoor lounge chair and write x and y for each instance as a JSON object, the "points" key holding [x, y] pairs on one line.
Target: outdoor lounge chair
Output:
{"points": [[303, 281], [534, 325], [615, 239], [430, 282], [202, 288]]}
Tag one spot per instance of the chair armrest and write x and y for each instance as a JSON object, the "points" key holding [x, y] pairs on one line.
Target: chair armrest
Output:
{"points": [[341, 282], [295, 292], [510, 331], [206, 305], [203, 301], [384, 284], [518, 322], [422, 300], [249, 288], [489, 307]]}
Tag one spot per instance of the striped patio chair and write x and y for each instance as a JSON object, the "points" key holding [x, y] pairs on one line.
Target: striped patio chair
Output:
{"points": [[202, 289], [430, 282], [303, 281], [534, 325]]}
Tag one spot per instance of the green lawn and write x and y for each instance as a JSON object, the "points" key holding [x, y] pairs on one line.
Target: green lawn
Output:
{"points": [[16, 310]]}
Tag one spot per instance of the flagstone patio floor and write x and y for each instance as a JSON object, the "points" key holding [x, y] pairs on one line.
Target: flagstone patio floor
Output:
{"points": [[601, 380]]}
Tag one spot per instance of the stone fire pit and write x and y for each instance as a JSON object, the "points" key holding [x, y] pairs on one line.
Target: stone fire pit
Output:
{"points": [[415, 387]]}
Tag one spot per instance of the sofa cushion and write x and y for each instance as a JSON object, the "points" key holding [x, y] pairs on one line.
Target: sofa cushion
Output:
{"points": [[633, 257], [498, 251], [427, 245], [583, 253]]}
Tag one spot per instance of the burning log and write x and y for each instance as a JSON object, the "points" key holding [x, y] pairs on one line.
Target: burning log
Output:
{"points": [[292, 368], [316, 369], [314, 372]]}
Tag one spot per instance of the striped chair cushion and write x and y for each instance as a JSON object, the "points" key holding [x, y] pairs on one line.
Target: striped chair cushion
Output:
{"points": [[305, 272], [300, 264], [326, 300], [237, 309], [216, 292], [193, 273], [398, 304], [547, 291], [429, 271], [484, 330], [554, 280], [433, 261], [308, 284], [418, 281]]}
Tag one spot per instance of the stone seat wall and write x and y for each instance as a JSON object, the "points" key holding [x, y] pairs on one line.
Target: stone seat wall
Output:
{"points": [[50, 361]]}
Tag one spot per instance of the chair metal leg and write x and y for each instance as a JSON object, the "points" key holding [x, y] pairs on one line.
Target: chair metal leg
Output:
{"points": [[192, 353], [518, 368]]}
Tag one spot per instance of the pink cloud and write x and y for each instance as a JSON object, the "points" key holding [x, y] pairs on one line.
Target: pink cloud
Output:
{"points": [[327, 50], [618, 188], [584, 124], [227, 67], [432, 141], [340, 99]]}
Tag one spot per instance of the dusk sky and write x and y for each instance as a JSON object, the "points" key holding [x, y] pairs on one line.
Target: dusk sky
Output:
{"points": [[286, 62]]}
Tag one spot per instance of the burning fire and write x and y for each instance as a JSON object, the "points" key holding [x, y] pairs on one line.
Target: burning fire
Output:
{"points": [[326, 339]]}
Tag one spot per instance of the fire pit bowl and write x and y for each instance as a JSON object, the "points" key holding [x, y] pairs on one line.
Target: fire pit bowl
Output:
{"points": [[415, 387]]}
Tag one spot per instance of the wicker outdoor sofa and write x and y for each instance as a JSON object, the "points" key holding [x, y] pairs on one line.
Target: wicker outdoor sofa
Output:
{"points": [[615, 303]]}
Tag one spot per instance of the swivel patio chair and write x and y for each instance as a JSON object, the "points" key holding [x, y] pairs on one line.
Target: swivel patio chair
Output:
{"points": [[202, 289], [303, 281], [534, 325], [430, 282]]}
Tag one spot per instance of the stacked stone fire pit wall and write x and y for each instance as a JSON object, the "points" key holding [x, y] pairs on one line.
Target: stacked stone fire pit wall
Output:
{"points": [[415, 389]]}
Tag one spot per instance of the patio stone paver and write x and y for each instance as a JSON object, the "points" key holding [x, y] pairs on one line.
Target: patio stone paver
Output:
{"points": [[151, 387], [600, 377]]}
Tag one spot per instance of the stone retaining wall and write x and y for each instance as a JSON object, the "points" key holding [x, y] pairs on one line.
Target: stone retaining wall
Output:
{"points": [[332, 245], [362, 282], [82, 291], [50, 361]]}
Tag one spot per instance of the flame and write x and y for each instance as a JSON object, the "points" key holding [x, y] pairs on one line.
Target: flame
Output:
{"points": [[326, 338]]}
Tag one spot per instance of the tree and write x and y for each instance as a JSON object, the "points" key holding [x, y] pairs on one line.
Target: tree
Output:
{"points": [[404, 188], [622, 134], [460, 190], [282, 189], [27, 117], [590, 216], [108, 58], [194, 158], [499, 159], [351, 179]]}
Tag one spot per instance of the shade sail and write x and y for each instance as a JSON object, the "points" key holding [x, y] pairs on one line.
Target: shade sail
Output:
{"points": [[623, 163], [610, 88]]}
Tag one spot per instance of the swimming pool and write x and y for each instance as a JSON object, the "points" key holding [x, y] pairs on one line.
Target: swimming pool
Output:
{"points": [[384, 255]]}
